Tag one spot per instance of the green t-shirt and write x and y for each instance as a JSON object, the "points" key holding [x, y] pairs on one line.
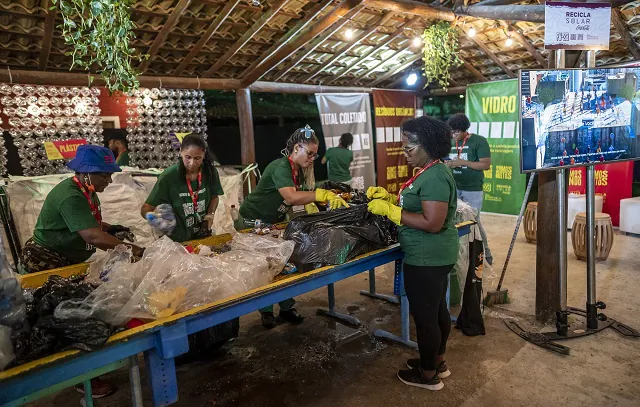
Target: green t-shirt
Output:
{"points": [[423, 248], [64, 213], [171, 188], [123, 159], [338, 163], [476, 147], [266, 203]]}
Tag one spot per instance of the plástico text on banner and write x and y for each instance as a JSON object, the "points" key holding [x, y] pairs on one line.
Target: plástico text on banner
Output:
{"points": [[392, 107], [492, 109], [350, 113], [577, 26]]}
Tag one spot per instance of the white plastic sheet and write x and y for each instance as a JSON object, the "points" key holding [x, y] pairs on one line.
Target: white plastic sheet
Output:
{"points": [[464, 212]]}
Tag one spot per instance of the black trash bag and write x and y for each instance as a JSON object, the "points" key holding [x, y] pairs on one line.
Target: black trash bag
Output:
{"points": [[470, 320], [207, 341], [50, 335], [332, 185], [337, 236], [53, 292], [358, 197]]}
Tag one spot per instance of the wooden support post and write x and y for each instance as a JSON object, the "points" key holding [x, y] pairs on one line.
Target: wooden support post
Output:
{"points": [[49, 24], [622, 29], [245, 120]]}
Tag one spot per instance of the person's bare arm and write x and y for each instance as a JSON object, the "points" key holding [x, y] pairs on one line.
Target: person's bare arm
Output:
{"points": [[294, 197], [102, 240], [432, 218], [481, 165], [324, 160]]}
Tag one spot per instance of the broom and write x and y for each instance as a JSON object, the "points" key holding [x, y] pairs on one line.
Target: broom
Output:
{"points": [[500, 296]]}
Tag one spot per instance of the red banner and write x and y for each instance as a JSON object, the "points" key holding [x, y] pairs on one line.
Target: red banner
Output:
{"points": [[392, 107], [613, 182], [57, 150]]}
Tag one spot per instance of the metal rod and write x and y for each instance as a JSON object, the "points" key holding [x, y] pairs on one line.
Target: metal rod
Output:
{"points": [[332, 298], [560, 58], [592, 313], [562, 238], [590, 59], [372, 281], [134, 381]]}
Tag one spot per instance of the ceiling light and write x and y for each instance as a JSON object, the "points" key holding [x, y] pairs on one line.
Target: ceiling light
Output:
{"points": [[255, 2], [417, 41], [472, 32], [412, 79], [509, 42], [349, 33], [461, 96]]}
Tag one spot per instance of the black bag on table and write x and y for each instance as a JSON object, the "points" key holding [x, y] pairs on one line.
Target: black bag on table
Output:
{"points": [[335, 237], [470, 319]]}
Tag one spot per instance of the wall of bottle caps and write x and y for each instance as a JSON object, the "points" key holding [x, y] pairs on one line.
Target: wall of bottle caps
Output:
{"points": [[35, 114], [154, 115]]}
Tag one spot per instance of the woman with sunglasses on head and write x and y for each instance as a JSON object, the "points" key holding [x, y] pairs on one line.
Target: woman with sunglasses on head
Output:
{"points": [[286, 182], [425, 210]]}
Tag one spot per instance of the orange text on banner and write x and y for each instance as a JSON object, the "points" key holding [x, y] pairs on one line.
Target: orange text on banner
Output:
{"points": [[58, 150]]}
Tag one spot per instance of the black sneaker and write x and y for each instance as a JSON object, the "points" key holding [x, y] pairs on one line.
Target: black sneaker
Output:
{"points": [[268, 320], [414, 377], [291, 316], [443, 370]]}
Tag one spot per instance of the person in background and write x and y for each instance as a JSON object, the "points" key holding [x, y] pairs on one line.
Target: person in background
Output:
{"points": [[286, 182], [119, 145], [192, 187], [470, 157], [338, 160], [425, 209], [70, 227]]}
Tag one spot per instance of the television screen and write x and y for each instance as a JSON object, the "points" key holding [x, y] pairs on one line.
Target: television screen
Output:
{"points": [[574, 117]]}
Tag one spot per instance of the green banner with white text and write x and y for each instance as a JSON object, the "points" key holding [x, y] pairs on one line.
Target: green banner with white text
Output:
{"points": [[492, 109]]}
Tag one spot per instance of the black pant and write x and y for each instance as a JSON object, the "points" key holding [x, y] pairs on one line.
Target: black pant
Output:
{"points": [[426, 289]]}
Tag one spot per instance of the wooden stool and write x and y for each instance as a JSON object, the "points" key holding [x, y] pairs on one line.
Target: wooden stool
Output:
{"points": [[531, 222], [604, 236]]}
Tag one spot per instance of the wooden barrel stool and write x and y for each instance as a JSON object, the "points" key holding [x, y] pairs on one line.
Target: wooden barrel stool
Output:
{"points": [[531, 222], [604, 236]]}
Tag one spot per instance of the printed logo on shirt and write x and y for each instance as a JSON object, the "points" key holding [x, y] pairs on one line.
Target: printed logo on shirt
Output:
{"points": [[186, 194], [188, 207], [90, 247]]}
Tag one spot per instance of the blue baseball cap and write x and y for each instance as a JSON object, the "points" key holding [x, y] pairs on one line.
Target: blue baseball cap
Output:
{"points": [[91, 158]]}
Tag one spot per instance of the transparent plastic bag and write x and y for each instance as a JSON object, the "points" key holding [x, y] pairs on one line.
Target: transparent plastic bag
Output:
{"points": [[464, 212], [6, 348], [162, 219], [276, 251]]}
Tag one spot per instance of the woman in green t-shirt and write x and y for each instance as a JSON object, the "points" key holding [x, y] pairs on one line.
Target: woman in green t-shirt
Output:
{"points": [[338, 160], [286, 182], [429, 240], [191, 188]]}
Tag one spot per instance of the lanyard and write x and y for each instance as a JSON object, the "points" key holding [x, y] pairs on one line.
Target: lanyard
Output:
{"points": [[461, 147], [194, 196], [95, 211], [294, 174], [423, 169]]}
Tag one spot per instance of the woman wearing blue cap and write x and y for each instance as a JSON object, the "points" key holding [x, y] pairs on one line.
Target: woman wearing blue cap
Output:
{"points": [[70, 226]]}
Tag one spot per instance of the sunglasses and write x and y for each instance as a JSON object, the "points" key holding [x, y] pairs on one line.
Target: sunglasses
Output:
{"points": [[310, 154]]}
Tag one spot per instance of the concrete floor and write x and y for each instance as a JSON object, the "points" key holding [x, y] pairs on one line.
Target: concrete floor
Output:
{"points": [[324, 363]]}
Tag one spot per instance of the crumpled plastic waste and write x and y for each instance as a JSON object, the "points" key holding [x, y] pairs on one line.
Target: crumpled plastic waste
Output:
{"points": [[168, 279], [162, 219], [335, 237]]}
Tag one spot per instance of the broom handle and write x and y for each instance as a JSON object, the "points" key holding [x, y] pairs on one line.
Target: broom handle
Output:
{"points": [[515, 232]]}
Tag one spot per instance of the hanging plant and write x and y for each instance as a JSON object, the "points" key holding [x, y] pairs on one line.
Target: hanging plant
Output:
{"points": [[440, 52], [100, 33]]}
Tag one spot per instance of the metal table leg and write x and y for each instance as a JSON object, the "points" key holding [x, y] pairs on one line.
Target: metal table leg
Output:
{"points": [[372, 290], [331, 311], [134, 380], [88, 396], [405, 339]]}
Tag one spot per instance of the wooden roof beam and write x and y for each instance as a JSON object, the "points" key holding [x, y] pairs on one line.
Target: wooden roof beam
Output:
{"points": [[622, 29], [171, 22], [348, 47], [368, 53], [313, 13], [213, 27], [319, 40], [493, 57], [474, 71], [300, 41], [242, 41], [516, 32], [412, 7], [49, 25], [392, 72]]}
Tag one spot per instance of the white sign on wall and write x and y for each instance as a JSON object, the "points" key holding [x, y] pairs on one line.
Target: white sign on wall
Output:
{"points": [[577, 26]]}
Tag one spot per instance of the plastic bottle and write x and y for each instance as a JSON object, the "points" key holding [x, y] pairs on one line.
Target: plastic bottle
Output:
{"points": [[234, 213]]}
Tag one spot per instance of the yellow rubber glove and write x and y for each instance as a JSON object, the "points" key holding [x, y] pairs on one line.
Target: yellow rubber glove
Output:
{"points": [[311, 208], [337, 202], [323, 195], [381, 193], [385, 208]]}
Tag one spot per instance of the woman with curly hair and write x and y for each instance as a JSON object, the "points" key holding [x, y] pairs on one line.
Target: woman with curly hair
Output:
{"points": [[425, 210], [286, 182]]}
